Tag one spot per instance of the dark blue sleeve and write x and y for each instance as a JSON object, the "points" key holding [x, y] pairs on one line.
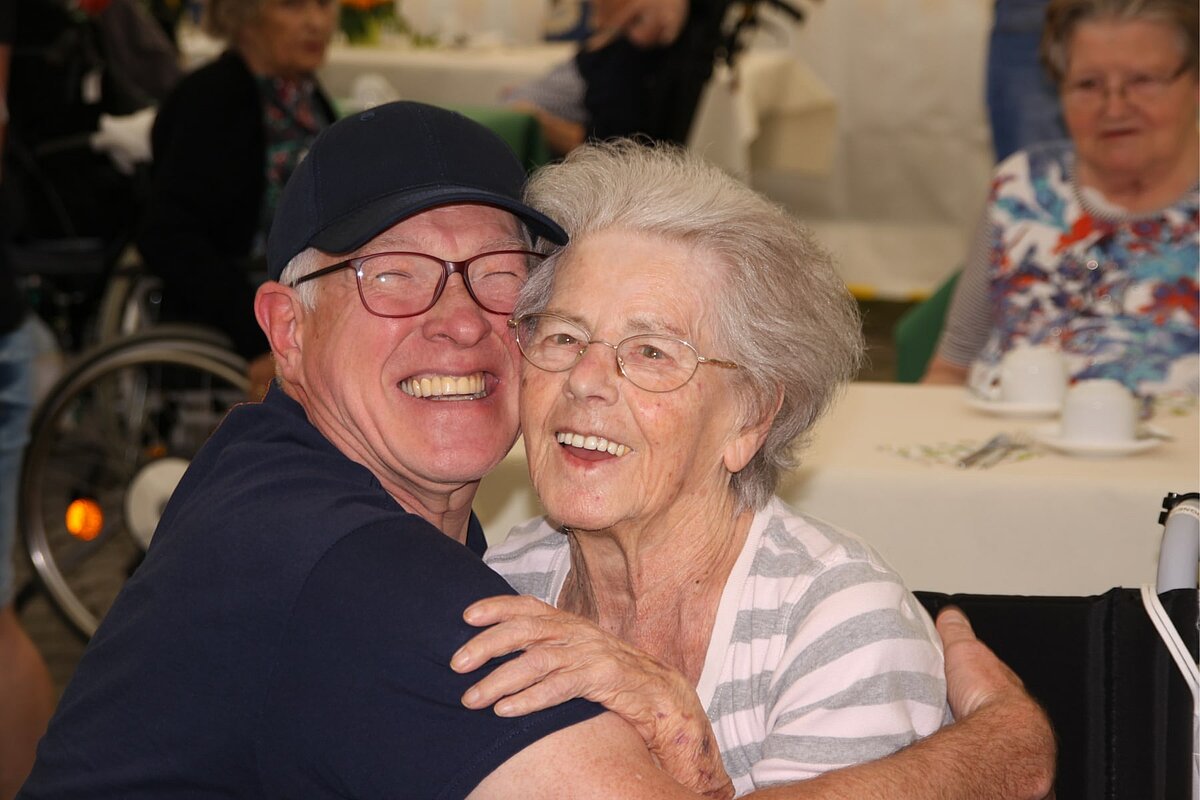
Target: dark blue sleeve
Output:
{"points": [[362, 702]]}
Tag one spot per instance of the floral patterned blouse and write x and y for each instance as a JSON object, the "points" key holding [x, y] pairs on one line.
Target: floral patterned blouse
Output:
{"points": [[1053, 264], [292, 118]]}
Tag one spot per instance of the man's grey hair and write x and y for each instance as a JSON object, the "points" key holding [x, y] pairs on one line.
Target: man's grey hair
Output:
{"points": [[306, 261], [782, 312]]}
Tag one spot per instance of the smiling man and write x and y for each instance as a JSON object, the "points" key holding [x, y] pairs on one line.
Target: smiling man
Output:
{"points": [[290, 631]]}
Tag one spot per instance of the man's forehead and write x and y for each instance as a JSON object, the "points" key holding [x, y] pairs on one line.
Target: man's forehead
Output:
{"points": [[499, 227]]}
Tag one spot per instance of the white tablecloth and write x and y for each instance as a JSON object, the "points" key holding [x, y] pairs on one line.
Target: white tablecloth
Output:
{"points": [[774, 113], [880, 466]]}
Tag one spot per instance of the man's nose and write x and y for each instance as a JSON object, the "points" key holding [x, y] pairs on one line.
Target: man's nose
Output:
{"points": [[456, 315]]}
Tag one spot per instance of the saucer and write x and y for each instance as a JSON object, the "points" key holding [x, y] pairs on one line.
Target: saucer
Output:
{"points": [[1008, 408], [1051, 436]]}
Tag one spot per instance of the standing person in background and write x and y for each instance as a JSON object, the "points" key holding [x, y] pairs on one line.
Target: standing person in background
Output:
{"points": [[26, 691], [1092, 244], [225, 143], [640, 73], [1022, 101]]}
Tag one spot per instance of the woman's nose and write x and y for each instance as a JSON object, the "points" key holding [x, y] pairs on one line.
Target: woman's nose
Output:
{"points": [[596, 373]]}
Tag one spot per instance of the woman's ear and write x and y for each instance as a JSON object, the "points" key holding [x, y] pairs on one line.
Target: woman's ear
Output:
{"points": [[749, 440], [280, 314]]}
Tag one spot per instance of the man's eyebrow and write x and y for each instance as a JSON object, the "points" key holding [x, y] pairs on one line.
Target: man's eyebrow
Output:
{"points": [[392, 241]]}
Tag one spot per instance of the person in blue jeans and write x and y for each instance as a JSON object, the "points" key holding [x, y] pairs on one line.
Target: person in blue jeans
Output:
{"points": [[1022, 101], [26, 692]]}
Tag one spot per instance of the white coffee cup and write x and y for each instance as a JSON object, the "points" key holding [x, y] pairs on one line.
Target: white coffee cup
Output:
{"points": [[1101, 410], [1033, 374]]}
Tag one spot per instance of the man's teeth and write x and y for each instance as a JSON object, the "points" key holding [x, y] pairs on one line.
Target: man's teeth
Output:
{"points": [[591, 443], [450, 387]]}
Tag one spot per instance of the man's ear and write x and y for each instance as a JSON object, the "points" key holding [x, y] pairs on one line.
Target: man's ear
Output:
{"points": [[742, 447], [280, 314]]}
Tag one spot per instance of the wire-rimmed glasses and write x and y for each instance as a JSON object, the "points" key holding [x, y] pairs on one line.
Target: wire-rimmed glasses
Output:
{"points": [[405, 284], [652, 362], [1091, 91]]}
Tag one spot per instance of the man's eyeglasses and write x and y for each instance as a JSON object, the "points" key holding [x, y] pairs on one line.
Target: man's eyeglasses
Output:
{"points": [[403, 284], [1090, 91], [649, 361]]}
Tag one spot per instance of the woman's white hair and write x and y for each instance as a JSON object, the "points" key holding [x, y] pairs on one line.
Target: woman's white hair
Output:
{"points": [[782, 313]]}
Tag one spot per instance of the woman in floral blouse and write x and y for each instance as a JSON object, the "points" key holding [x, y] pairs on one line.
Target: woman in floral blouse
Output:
{"points": [[1093, 244]]}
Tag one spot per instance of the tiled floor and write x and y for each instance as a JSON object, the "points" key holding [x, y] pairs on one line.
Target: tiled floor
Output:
{"points": [[62, 648]]}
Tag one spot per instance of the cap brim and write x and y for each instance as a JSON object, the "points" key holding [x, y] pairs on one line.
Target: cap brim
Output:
{"points": [[353, 230]]}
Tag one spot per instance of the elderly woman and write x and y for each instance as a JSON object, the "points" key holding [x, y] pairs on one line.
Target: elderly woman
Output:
{"points": [[678, 350], [224, 144], [1092, 244]]}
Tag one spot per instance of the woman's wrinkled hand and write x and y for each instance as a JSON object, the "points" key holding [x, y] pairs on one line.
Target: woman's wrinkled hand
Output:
{"points": [[566, 656]]}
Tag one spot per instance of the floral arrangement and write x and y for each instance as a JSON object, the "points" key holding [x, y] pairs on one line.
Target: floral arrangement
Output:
{"points": [[363, 20]]}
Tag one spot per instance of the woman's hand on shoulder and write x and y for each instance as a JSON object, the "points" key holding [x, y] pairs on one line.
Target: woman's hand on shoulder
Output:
{"points": [[566, 656]]}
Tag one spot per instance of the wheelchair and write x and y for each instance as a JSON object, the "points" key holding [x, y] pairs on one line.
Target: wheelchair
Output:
{"points": [[115, 432], [109, 442]]}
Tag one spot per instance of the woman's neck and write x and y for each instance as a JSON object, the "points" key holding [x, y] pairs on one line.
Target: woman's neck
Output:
{"points": [[659, 586], [1146, 190], [262, 65]]}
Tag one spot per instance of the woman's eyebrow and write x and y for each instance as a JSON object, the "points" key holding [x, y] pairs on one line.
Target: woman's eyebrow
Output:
{"points": [[636, 325]]}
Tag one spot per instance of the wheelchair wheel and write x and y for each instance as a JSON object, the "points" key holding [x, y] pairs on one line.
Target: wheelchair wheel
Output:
{"points": [[131, 302], [107, 447]]}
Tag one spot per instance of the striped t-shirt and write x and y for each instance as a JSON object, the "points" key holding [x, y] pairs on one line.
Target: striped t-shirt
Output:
{"points": [[819, 656]]}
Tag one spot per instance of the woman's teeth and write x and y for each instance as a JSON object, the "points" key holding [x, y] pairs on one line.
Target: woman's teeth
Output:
{"points": [[591, 443]]}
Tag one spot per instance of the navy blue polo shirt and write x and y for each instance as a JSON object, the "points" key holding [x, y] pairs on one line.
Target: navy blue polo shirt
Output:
{"points": [[288, 635]]}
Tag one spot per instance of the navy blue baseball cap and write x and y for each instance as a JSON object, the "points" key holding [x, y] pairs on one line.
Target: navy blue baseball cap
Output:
{"points": [[371, 170]]}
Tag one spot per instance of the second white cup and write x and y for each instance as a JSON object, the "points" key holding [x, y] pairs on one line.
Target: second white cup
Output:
{"points": [[1099, 411]]}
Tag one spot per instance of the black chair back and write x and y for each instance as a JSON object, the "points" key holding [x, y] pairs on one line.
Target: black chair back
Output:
{"points": [[1121, 709]]}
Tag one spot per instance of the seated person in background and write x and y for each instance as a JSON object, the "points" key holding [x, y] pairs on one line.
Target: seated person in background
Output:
{"points": [[224, 145], [81, 74], [139, 48], [1092, 244], [677, 351], [290, 631]]}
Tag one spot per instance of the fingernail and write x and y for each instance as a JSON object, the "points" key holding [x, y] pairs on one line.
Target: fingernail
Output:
{"points": [[460, 661], [504, 709], [470, 697]]}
